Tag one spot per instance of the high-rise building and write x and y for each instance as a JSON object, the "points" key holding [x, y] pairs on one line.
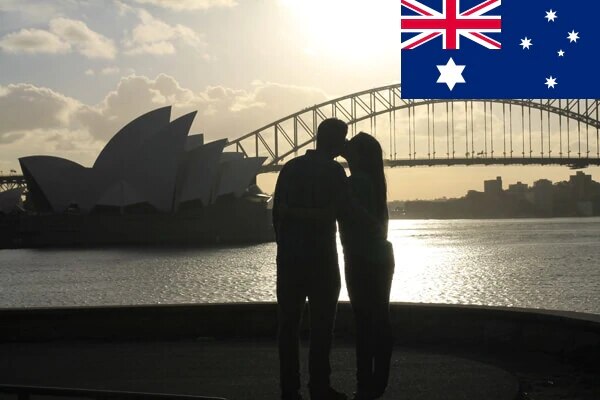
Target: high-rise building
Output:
{"points": [[493, 186], [543, 196], [518, 188], [581, 186]]}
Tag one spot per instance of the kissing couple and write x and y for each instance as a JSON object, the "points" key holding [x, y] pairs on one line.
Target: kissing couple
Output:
{"points": [[312, 194]]}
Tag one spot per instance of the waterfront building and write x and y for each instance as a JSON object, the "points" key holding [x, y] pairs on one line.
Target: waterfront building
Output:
{"points": [[493, 186], [543, 196], [518, 188], [150, 164], [581, 186]]}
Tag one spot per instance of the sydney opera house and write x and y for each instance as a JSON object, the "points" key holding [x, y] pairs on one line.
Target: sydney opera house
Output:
{"points": [[152, 182]]}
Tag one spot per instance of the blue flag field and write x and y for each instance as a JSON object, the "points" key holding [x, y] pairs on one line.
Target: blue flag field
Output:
{"points": [[501, 49]]}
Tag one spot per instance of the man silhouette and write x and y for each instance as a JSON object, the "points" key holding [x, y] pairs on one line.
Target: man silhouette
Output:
{"points": [[311, 193]]}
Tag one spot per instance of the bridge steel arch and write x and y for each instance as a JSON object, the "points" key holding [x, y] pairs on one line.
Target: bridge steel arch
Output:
{"points": [[285, 137], [8, 182]]}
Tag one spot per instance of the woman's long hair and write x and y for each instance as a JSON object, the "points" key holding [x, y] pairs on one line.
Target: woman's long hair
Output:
{"points": [[370, 160]]}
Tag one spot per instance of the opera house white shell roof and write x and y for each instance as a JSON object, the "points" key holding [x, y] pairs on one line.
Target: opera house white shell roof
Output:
{"points": [[152, 161]]}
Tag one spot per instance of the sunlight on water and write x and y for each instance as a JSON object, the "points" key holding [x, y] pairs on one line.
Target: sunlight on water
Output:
{"points": [[416, 259], [522, 263]]}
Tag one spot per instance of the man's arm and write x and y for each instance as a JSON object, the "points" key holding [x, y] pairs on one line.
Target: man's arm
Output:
{"points": [[277, 201]]}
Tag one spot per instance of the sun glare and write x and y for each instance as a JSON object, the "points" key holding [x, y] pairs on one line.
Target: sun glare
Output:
{"points": [[352, 29]]}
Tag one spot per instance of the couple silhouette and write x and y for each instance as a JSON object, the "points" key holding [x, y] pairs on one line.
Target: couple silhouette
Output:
{"points": [[311, 195]]}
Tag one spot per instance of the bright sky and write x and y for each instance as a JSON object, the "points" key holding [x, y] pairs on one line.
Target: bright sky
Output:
{"points": [[72, 72]]}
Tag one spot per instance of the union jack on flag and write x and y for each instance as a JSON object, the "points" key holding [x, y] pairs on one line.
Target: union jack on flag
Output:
{"points": [[451, 23], [500, 49]]}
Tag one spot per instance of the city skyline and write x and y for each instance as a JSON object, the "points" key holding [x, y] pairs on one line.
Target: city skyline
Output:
{"points": [[506, 185], [579, 196]]}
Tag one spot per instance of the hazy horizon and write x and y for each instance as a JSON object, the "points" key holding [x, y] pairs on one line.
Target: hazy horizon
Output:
{"points": [[424, 183]]}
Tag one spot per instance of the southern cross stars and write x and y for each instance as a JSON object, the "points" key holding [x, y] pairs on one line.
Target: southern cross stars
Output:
{"points": [[526, 43], [451, 74], [551, 15], [551, 82], [573, 36]]}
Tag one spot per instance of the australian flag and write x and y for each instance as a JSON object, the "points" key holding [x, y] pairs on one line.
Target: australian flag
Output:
{"points": [[501, 49]]}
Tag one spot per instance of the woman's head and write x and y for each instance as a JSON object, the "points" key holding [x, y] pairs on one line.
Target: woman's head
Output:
{"points": [[363, 153]]}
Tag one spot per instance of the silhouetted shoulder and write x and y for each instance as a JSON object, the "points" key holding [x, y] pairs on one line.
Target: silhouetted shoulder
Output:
{"points": [[312, 160], [293, 163]]}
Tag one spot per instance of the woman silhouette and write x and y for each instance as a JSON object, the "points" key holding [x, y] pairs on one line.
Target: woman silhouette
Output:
{"points": [[369, 266]]}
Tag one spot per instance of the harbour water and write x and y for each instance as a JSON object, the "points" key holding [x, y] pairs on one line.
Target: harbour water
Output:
{"points": [[538, 263]]}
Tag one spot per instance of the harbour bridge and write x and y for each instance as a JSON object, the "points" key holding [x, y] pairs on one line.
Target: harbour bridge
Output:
{"points": [[429, 132], [12, 181], [433, 132]]}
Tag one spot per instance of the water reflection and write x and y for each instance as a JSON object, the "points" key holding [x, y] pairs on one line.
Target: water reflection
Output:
{"points": [[524, 263]]}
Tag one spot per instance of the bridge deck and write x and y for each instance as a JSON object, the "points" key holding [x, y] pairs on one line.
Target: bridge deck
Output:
{"points": [[574, 163], [16, 179], [571, 162]]}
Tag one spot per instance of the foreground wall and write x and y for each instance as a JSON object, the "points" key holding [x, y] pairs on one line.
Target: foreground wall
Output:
{"points": [[570, 335]]}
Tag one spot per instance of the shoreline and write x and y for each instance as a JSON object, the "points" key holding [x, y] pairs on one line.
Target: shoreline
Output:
{"points": [[492, 218], [441, 351], [557, 332]]}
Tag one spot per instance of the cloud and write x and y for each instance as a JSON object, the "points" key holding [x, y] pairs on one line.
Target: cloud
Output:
{"points": [[222, 111], [134, 96], [64, 35], [35, 12], [39, 120], [156, 37], [89, 43], [122, 8], [156, 49], [33, 41], [110, 70], [26, 107], [180, 5], [11, 137]]}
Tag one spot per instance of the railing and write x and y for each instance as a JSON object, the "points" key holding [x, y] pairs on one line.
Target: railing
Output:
{"points": [[25, 393], [8, 182]]}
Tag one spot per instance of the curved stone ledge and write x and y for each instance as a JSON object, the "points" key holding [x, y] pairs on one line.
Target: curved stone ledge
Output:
{"points": [[565, 334]]}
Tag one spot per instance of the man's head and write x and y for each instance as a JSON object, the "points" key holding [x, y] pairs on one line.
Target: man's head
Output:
{"points": [[331, 136]]}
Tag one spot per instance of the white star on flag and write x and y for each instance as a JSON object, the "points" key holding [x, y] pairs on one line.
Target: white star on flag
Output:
{"points": [[561, 53], [451, 74], [551, 15], [551, 82], [573, 36], [526, 43]]}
